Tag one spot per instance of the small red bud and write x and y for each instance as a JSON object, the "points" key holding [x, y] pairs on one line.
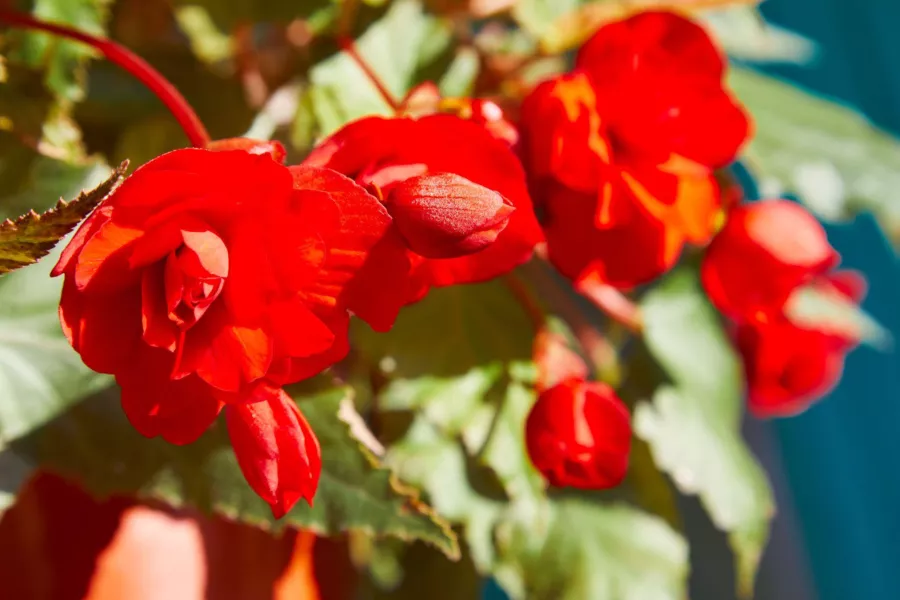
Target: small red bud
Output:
{"points": [[444, 215], [579, 434], [276, 450]]}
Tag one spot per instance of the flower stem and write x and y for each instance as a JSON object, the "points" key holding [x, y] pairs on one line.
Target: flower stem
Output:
{"points": [[348, 46], [129, 61], [526, 300]]}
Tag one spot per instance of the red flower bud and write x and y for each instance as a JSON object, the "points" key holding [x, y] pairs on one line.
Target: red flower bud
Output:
{"points": [[276, 450], [445, 215], [765, 251], [579, 434]]}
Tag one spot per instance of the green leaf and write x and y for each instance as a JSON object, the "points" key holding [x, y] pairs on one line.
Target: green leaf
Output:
{"points": [[63, 60], [818, 309], [94, 443], [33, 235], [40, 374], [829, 155], [396, 47], [693, 426], [571, 550]]}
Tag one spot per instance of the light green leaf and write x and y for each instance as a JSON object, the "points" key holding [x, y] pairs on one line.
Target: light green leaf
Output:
{"points": [[95, 444], [63, 60], [819, 309], [572, 550], [396, 47], [743, 33], [829, 155], [693, 426]]}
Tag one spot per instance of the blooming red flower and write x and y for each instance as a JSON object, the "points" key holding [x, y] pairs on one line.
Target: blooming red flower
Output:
{"points": [[578, 434], [624, 147], [763, 253], [210, 279], [789, 366], [403, 160]]}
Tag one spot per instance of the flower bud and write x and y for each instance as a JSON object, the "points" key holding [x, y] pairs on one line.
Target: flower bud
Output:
{"points": [[579, 434], [444, 215], [276, 450]]}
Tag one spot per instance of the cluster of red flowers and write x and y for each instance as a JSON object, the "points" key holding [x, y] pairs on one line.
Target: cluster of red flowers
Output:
{"points": [[213, 277], [621, 151]]}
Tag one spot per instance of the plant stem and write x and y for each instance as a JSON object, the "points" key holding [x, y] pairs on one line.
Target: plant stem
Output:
{"points": [[526, 300], [129, 61], [348, 46]]}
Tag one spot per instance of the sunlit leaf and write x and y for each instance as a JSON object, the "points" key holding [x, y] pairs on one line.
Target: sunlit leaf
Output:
{"points": [[693, 426], [830, 156]]}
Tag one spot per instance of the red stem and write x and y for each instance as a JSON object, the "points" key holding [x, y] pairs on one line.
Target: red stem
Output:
{"points": [[132, 63], [348, 46]]}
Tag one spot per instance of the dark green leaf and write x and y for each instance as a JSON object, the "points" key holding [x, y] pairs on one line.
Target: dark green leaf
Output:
{"points": [[33, 235], [95, 444]]}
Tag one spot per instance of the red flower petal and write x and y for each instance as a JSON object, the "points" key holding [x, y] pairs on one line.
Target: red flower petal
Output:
{"points": [[224, 353], [624, 256], [105, 329], [765, 251], [788, 367], [658, 40], [276, 450], [366, 268], [179, 411], [563, 134]]}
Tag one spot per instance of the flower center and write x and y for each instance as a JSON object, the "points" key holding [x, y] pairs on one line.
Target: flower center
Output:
{"points": [[195, 274]]}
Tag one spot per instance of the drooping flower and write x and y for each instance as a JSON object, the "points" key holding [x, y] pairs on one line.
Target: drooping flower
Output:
{"points": [[578, 434], [209, 279], [276, 449], [479, 226], [624, 148], [789, 366], [764, 252]]}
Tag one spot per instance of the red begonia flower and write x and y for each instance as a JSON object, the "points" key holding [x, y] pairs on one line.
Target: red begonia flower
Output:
{"points": [[276, 450], [579, 434], [763, 253], [640, 125], [211, 278], [383, 155]]}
